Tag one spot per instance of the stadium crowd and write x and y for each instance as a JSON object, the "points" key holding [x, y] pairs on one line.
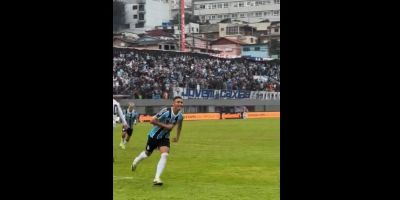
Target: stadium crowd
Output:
{"points": [[148, 74]]}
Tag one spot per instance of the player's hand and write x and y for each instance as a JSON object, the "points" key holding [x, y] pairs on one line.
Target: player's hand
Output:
{"points": [[174, 139]]}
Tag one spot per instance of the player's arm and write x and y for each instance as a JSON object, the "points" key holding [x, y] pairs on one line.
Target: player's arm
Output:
{"points": [[136, 118], [178, 131], [155, 121], [121, 115]]}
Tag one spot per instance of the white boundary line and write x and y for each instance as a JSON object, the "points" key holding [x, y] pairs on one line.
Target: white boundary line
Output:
{"points": [[121, 177]]}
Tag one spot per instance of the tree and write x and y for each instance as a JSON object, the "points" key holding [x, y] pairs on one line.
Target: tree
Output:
{"points": [[118, 15]]}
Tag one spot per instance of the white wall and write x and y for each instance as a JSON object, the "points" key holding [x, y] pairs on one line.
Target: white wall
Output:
{"points": [[129, 12], [188, 28], [268, 7], [156, 12]]}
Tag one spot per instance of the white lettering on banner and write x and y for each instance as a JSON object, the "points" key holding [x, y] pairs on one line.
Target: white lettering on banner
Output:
{"points": [[188, 93], [191, 93]]}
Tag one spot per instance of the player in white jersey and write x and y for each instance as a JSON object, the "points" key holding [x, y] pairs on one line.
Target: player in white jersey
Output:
{"points": [[117, 112], [244, 112], [158, 137]]}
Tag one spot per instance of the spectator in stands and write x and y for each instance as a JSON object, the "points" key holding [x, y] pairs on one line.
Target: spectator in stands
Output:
{"points": [[144, 72]]}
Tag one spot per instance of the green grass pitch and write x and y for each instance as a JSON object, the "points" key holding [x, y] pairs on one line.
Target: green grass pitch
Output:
{"points": [[218, 160]]}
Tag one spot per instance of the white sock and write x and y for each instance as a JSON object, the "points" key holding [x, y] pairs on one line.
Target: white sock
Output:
{"points": [[140, 157], [125, 142], [161, 164]]}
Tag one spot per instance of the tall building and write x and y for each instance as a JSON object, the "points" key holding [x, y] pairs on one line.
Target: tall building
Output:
{"points": [[245, 10], [175, 3], [142, 15]]}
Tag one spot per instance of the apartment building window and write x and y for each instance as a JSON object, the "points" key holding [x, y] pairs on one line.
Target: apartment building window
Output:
{"points": [[276, 12], [212, 16], [214, 6], [232, 30], [159, 46], [235, 4], [248, 3], [139, 25], [276, 30], [134, 7], [259, 14], [222, 29], [257, 49], [141, 7], [203, 17], [220, 5], [226, 16], [241, 4], [197, 30], [209, 6], [267, 2], [219, 16], [242, 15], [246, 49], [141, 16], [202, 7], [277, 1], [134, 16], [226, 5], [234, 15], [192, 29], [268, 13]]}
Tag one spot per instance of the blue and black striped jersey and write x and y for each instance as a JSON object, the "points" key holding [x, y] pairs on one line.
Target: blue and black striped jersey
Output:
{"points": [[165, 116]]}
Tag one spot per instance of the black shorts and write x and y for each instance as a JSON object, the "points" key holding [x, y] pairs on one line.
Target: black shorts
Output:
{"points": [[128, 131], [153, 143]]}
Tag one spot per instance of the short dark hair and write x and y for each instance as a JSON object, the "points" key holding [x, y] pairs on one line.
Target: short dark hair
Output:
{"points": [[177, 97]]}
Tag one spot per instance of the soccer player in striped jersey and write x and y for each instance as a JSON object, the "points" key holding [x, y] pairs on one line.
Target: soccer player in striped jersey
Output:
{"points": [[131, 117], [158, 137]]}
